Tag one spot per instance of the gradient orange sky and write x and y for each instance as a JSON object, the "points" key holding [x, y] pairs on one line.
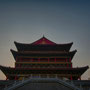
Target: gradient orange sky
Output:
{"points": [[61, 21]]}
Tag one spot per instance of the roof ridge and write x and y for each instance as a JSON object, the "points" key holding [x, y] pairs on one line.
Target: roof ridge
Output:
{"points": [[43, 40]]}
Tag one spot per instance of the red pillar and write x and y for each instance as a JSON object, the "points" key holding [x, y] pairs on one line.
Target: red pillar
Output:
{"points": [[38, 59], [69, 59], [32, 59], [19, 65], [21, 59], [66, 60], [55, 59], [67, 63], [15, 77], [48, 59], [71, 78]]}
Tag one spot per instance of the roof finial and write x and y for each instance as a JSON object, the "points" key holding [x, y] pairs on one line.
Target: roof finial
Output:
{"points": [[43, 36]]}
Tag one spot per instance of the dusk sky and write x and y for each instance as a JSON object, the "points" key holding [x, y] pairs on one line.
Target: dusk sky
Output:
{"points": [[61, 21]]}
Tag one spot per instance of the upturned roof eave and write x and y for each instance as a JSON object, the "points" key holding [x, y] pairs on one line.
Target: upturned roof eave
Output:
{"points": [[5, 69], [23, 46], [69, 68], [17, 54]]}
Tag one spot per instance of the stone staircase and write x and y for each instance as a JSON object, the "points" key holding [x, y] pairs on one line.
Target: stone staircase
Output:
{"points": [[37, 81]]}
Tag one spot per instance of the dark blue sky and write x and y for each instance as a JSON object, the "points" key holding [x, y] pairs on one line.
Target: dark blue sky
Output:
{"points": [[61, 21]]}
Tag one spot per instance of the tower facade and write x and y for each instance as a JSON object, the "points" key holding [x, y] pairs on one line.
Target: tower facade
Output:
{"points": [[43, 59]]}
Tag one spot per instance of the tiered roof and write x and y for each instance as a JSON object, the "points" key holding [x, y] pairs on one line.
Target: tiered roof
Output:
{"points": [[11, 72], [44, 54], [43, 48], [43, 44]]}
